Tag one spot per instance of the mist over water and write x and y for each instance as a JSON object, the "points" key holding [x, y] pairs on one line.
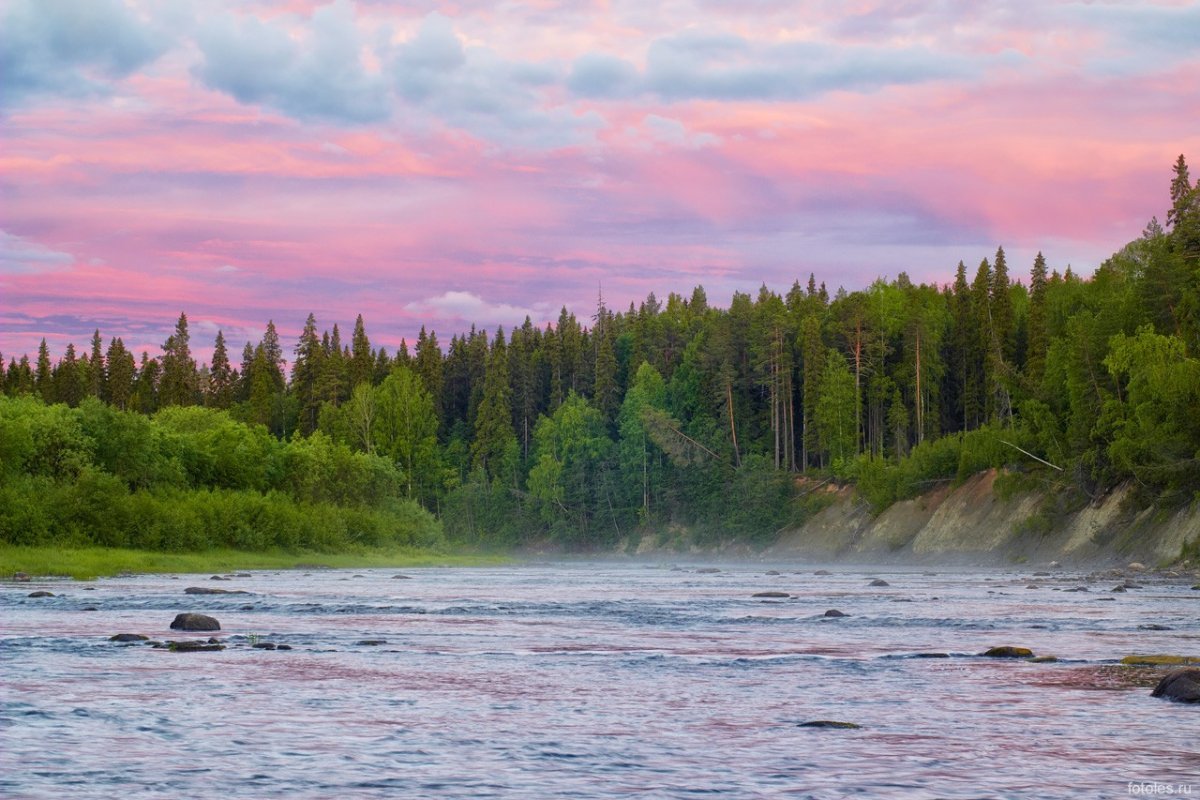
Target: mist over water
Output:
{"points": [[594, 681]]}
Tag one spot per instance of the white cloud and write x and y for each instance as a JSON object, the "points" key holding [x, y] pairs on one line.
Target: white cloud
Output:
{"points": [[470, 307]]}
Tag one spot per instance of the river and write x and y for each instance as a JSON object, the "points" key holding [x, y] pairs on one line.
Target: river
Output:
{"points": [[596, 680]]}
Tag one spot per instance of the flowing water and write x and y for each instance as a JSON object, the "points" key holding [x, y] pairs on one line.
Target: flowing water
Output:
{"points": [[595, 681]]}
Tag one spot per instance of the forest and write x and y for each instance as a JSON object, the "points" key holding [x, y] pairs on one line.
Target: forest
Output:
{"points": [[591, 432]]}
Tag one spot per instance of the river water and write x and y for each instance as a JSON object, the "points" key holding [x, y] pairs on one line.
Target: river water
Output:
{"points": [[593, 680]]}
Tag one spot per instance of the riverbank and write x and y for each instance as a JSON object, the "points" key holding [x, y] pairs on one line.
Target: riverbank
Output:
{"points": [[93, 562]]}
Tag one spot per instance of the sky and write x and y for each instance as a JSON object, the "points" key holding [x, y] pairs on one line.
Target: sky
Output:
{"points": [[443, 164]]}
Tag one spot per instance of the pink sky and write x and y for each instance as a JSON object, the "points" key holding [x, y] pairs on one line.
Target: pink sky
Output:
{"points": [[443, 164]]}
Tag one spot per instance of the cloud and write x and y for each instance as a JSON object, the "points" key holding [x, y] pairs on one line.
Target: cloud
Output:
{"points": [[597, 75], [22, 257], [72, 48], [319, 75], [696, 65], [467, 307], [666, 130], [475, 89]]}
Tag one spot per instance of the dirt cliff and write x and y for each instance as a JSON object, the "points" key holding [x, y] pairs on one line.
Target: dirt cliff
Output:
{"points": [[976, 523]]}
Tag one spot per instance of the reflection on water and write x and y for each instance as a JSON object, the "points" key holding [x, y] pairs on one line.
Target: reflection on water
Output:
{"points": [[594, 680]]}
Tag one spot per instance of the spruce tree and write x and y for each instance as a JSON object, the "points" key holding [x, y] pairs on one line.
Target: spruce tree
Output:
{"points": [[220, 376], [1035, 361], [122, 371], [43, 379], [495, 442], [362, 360], [178, 384], [97, 369], [306, 372]]}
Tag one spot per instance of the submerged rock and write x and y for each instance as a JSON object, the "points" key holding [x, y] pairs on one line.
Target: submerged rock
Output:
{"points": [[401, 577], [770, 594], [772, 572], [195, 622], [41, 593], [931, 655], [1044, 660], [129, 637], [264, 645], [1153, 626], [879, 582], [194, 647], [833, 612], [822, 572], [372, 642], [707, 571], [1007, 651], [829, 723], [218, 578], [1160, 661], [210, 590], [1179, 685], [1120, 587]]}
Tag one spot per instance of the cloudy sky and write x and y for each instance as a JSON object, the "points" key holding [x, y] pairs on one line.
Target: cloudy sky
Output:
{"points": [[449, 163]]}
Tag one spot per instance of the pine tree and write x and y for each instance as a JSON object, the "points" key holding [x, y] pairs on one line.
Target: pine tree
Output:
{"points": [[604, 392], [70, 385]]}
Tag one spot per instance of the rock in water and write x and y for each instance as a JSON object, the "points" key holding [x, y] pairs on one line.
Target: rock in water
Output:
{"points": [[770, 594], [1179, 685], [195, 622], [829, 723], [194, 647], [879, 582], [41, 593], [129, 637], [208, 590], [1008, 652], [707, 571], [833, 612]]}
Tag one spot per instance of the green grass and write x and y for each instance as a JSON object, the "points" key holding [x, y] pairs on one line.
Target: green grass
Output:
{"points": [[86, 563]]}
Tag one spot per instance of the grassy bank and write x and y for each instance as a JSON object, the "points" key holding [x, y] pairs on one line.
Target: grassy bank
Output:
{"points": [[92, 562]]}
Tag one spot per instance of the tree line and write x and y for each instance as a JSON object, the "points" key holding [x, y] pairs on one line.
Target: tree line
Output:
{"points": [[656, 415]]}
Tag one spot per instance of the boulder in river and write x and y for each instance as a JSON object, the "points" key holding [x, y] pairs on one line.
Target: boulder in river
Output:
{"points": [[1120, 587], [41, 593], [879, 582], [1179, 685], [1008, 651], [771, 594], [1153, 626], [400, 576], [372, 642], [707, 571], [129, 637], [829, 723], [772, 572], [211, 590], [833, 612], [195, 622], [822, 572]]}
